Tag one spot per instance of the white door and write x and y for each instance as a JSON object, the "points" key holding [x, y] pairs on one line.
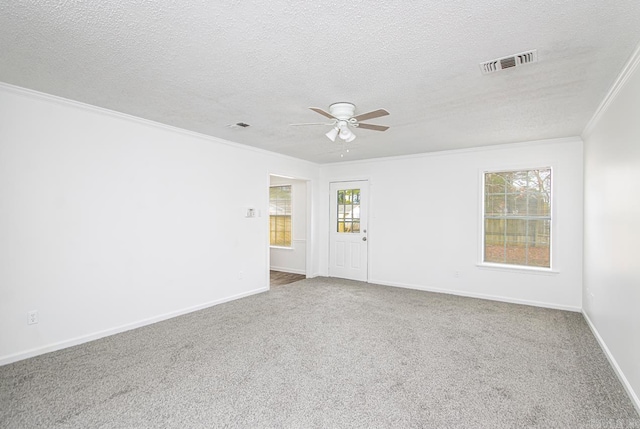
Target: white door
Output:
{"points": [[348, 230]]}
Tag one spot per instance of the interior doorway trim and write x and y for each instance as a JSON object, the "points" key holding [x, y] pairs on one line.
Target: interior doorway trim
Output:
{"points": [[309, 240]]}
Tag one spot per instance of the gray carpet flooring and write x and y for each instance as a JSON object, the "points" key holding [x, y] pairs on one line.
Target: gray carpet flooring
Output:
{"points": [[326, 353]]}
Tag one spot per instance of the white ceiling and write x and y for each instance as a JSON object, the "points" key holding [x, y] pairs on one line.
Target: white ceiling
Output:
{"points": [[203, 65]]}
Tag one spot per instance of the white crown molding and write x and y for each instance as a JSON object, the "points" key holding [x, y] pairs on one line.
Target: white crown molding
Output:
{"points": [[625, 74], [147, 122], [450, 152]]}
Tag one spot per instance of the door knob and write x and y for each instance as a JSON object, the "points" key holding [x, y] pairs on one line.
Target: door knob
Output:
{"points": [[364, 238]]}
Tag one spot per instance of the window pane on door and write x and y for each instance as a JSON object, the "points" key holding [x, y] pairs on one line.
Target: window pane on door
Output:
{"points": [[348, 210]]}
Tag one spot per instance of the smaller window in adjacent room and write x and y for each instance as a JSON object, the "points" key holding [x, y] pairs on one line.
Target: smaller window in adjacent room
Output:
{"points": [[280, 216], [517, 217]]}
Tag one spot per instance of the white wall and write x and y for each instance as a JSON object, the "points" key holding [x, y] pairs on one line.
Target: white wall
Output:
{"points": [[439, 196], [108, 222], [611, 228], [293, 260]]}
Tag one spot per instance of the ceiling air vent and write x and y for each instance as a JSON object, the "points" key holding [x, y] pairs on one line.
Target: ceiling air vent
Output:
{"points": [[238, 125], [510, 61]]}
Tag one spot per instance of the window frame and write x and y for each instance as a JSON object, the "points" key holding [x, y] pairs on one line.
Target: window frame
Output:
{"points": [[277, 246], [552, 235]]}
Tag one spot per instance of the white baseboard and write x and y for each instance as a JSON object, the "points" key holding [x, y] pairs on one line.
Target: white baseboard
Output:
{"points": [[289, 270], [480, 296], [632, 394], [4, 360]]}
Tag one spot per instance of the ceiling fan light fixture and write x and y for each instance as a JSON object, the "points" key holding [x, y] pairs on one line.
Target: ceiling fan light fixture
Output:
{"points": [[351, 138], [345, 133], [332, 134]]}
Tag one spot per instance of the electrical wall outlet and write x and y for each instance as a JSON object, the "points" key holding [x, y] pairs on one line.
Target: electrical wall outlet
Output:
{"points": [[32, 317]]}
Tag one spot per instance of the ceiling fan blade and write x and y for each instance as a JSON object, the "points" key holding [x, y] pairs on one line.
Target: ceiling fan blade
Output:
{"points": [[373, 127], [370, 115], [312, 123], [322, 112]]}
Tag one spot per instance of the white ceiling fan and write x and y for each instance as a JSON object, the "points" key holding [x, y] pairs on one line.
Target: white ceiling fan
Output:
{"points": [[344, 118]]}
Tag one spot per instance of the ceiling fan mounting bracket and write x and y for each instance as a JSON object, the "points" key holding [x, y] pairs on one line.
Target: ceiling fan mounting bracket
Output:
{"points": [[343, 110]]}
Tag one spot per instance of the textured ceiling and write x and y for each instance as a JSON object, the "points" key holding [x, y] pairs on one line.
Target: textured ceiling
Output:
{"points": [[203, 65]]}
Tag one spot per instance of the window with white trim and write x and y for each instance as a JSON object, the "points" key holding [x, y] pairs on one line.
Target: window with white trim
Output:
{"points": [[280, 216], [517, 218]]}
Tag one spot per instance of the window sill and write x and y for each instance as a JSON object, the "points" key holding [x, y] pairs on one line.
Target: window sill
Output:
{"points": [[517, 269], [281, 247]]}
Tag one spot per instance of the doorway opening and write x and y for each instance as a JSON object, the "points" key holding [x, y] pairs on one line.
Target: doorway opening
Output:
{"points": [[289, 226]]}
